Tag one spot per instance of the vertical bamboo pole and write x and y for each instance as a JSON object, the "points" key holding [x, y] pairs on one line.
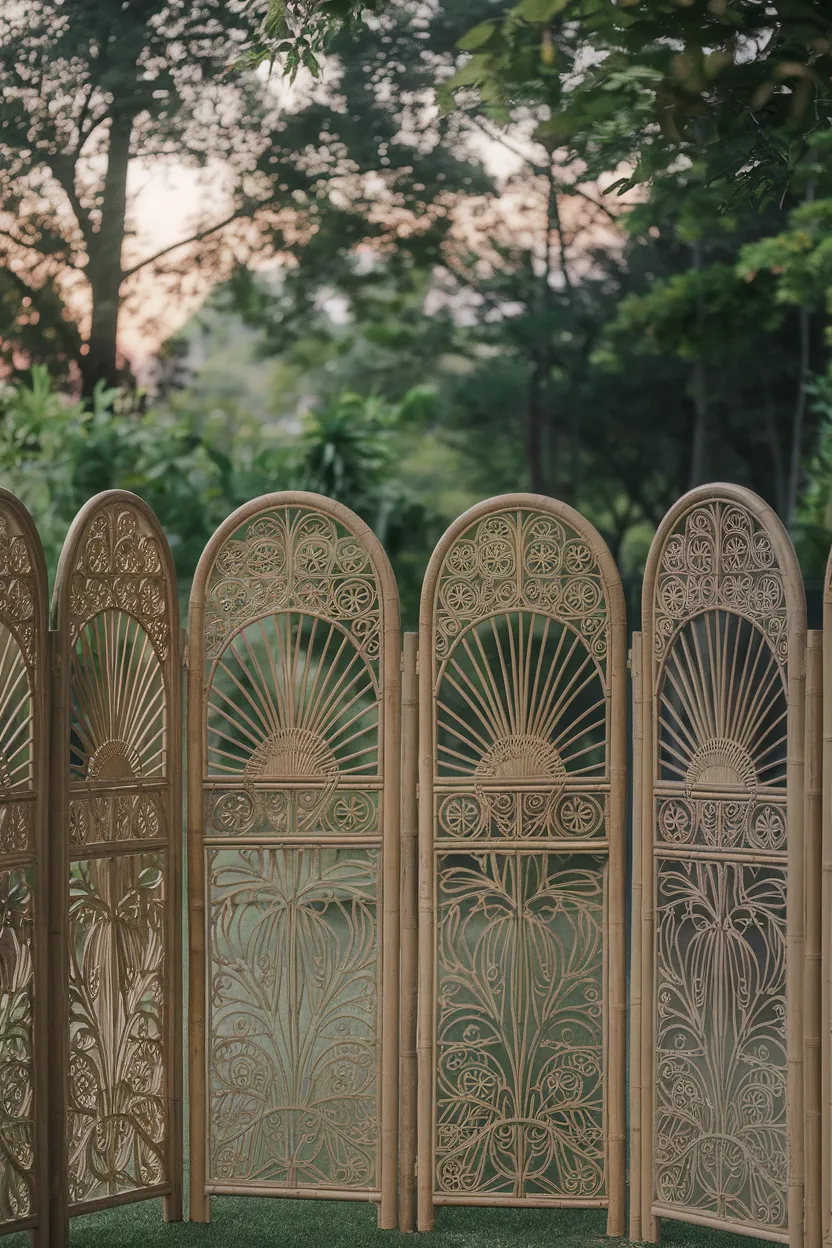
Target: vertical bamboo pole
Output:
{"points": [[635, 952], [172, 1203], [616, 934], [409, 929], [795, 920], [388, 1211], [826, 925], [650, 1229], [200, 1203], [812, 961], [41, 702], [424, 1041], [58, 956]]}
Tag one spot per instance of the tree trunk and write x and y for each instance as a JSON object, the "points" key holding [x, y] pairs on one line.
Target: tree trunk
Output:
{"points": [[796, 452], [699, 440], [104, 270], [534, 431]]}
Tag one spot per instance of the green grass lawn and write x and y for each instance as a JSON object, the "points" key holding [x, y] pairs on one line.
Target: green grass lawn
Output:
{"points": [[249, 1222]]}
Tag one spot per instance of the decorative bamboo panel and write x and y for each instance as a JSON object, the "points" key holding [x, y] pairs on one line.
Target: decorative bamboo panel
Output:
{"points": [[723, 869], [115, 865], [521, 824], [24, 711], [293, 790]]}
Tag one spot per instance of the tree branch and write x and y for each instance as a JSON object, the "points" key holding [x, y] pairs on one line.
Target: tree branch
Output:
{"points": [[245, 210]]}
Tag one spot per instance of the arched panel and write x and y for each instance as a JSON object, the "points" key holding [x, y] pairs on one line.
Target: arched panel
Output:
{"points": [[116, 818], [293, 839], [24, 693], [722, 856], [522, 753]]}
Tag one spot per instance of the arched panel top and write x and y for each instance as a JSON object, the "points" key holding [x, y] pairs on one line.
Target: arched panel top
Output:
{"points": [[522, 552], [299, 552], [116, 558], [720, 547], [23, 585]]}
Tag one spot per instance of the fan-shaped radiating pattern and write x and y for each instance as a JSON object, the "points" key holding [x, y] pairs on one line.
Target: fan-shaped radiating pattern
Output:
{"points": [[118, 703], [521, 698], [291, 698], [16, 723], [722, 707], [293, 1004], [520, 1037]]}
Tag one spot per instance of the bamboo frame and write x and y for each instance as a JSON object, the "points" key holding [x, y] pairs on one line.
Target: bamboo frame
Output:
{"points": [[788, 628], [409, 931], [812, 982], [23, 613], [387, 1036], [555, 515], [131, 578], [635, 949], [826, 917]]}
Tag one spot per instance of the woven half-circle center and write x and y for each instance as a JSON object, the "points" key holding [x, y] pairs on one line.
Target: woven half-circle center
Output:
{"points": [[522, 758], [114, 760], [719, 764], [290, 754]]}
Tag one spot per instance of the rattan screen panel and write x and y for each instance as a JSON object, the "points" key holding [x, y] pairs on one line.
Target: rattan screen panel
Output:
{"points": [[293, 800], [522, 705], [116, 803], [722, 853], [24, 691]]}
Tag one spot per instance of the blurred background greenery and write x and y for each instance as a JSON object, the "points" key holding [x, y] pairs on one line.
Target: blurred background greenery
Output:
{"points": [[423, 252]]}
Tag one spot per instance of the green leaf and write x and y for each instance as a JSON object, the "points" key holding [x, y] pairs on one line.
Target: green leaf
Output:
{"points": [[476, 37], [540, 10]]}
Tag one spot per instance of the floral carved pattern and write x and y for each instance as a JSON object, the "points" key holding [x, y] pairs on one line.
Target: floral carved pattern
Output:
{"points": [[519, 1098], [521, 709], [119, 567], [521, 559], [16, 1047], [293, 1060], [720, 555], [293, 559], [116, 1109], [721, 1041]]}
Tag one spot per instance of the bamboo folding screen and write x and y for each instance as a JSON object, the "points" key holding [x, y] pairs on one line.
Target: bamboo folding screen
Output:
{"points": [[407, 870], [24, 720], [720, 873], [522, 809], [115, 845], [293, 824]]}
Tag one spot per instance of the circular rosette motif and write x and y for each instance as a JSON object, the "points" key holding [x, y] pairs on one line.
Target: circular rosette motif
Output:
{"points": [[767, 827], [580, 815], [461, 815]]}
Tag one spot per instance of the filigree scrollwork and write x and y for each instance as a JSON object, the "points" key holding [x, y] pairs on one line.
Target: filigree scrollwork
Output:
{"points": [[247, 812], [515, 560], [116, 1109], [293, 1060], [117, 817], [520, 1038], [16, 1047], [517, 815], [721, 1063], [293, 559], [119, 567], [720, 556], [18, 589]]}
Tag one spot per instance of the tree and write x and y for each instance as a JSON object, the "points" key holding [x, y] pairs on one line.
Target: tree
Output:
{"points": [[91, 89]]}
